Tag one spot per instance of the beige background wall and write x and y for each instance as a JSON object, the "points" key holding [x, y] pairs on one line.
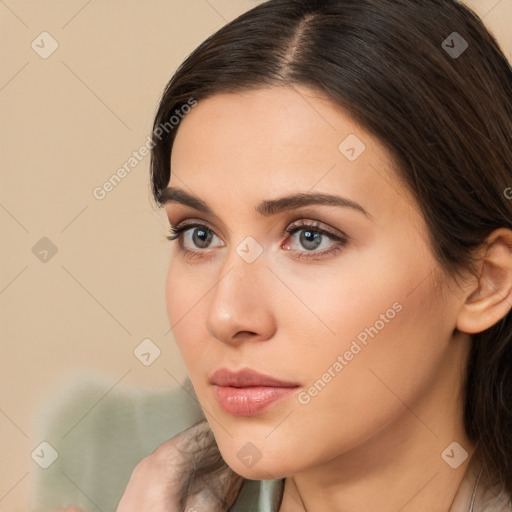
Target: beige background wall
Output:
{"points": [[68, 122]]}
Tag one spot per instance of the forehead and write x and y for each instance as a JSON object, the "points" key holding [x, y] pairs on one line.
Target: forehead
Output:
{"points": [[261, 142]]}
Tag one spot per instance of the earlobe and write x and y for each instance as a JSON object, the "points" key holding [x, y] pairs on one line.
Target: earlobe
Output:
{"points": [[490, 298]]}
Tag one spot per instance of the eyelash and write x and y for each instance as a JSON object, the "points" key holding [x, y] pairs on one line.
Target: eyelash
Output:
{"points": [[339, 241]]}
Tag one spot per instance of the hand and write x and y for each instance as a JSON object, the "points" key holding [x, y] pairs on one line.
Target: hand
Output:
{"points": [[155, 484]]}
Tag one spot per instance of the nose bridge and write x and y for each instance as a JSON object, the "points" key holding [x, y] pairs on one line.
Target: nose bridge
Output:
{"points": [[244, 267], [240, 299]]}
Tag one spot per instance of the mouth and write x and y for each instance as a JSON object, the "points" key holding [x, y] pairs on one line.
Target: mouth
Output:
{"points": [[247, 392]]}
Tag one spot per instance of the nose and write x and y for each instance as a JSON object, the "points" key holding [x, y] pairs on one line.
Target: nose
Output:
{"points": [[240, 306]]}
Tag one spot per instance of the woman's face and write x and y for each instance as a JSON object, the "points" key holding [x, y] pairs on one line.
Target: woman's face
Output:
{"points": [[352, 317]]}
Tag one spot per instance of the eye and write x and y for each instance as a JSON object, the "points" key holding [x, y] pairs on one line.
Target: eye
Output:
{"points": [[200, 236], [312, 236]]}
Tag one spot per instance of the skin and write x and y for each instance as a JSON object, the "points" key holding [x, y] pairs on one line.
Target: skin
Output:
{"points": [[372, 438]]}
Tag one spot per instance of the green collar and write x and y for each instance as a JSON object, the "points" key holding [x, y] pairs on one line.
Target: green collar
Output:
{"points": [[259, 496]]}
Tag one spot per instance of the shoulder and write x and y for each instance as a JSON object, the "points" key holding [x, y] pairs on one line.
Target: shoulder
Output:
{"points": [[488, 494]]}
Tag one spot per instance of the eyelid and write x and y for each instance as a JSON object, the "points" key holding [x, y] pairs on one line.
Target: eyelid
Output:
{"points": [[300, 222], [190, 222], [317, 225]]}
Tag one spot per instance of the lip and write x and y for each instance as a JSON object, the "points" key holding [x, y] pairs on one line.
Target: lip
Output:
{"points": [[248, 392], [247, 378]]}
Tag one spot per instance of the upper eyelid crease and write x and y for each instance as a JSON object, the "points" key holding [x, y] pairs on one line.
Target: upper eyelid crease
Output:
{"points": [[265, 208]]}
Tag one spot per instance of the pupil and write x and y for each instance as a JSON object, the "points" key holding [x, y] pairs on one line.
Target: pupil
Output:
{"points": [[201, 236]]}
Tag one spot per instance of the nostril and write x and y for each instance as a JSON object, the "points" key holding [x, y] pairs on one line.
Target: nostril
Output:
{"points": [[245, 334]]}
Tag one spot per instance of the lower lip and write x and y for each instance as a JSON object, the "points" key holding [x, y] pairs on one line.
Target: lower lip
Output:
{"points": [[249, 401]]}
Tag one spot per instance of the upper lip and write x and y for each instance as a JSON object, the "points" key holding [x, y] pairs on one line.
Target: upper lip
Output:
{"points": [[247, 378]]}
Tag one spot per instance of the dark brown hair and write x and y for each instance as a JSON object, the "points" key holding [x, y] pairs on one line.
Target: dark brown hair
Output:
{"points": [[446, 120]]}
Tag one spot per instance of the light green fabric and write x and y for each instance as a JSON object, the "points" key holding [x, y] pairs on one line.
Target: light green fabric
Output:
{"points": [[259, 496], [100, 435]]}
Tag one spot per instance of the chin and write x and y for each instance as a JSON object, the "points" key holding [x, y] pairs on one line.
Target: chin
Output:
{"points": [[262, 473]]}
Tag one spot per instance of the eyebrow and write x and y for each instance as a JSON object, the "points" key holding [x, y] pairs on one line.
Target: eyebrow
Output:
{"points": [[266, 208]]}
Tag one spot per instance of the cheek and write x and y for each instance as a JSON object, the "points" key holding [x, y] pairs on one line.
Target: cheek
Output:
{"points": [[185, 313], [382, 298], [185, 293], [391, 334], [349, 401], [175, 288]]}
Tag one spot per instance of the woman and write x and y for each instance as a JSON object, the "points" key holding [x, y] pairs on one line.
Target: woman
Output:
{"points": [[340, 284]]}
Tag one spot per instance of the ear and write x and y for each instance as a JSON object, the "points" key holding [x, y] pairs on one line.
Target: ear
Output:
{"points": [[489, 295]]}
